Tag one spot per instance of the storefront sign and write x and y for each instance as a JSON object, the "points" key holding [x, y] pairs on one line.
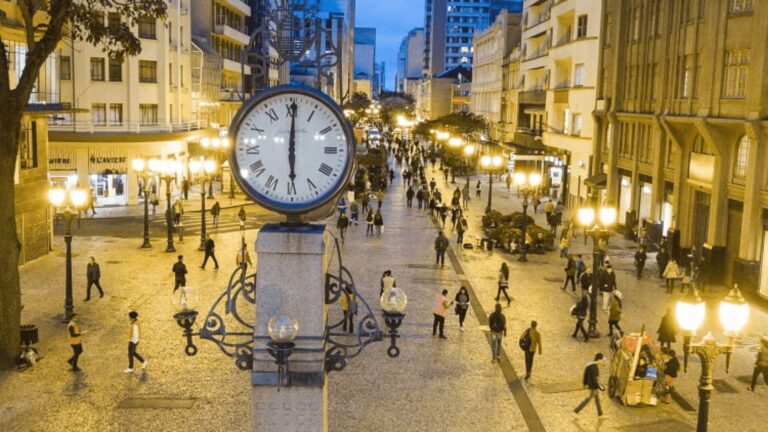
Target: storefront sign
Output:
{"points": [[112, 160], [61, 158], [701, 167]]}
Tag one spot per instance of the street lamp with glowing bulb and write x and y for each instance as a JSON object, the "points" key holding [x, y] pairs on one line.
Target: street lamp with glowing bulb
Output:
{"points": [[72, 200]]}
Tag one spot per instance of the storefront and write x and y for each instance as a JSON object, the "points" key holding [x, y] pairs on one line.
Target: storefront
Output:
{"points": [[644, 203], [625, 196], [107, 175]]}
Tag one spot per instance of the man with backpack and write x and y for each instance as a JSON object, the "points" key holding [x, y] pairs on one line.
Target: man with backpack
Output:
{"points": [[498, 324], [591, 381], [531, 340]]}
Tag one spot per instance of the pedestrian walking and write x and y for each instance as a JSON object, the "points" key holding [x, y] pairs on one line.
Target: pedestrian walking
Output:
{"points": [[365, 202], [585, 280], [667, 330], [461, 228], [342, 225], [74, 335], [497, 323], [579, 311], [432, 185], [591, 380], [685, 283], [215, 212], [387, 281], [210, 252], [671, 273], [607, 285], [761, 364], [409, 194], [580, 267], [185, 188], [179, 273], [369, 223], [354, 212], [536, 202], [614, 315], [640, 257], [549, 211], [92, 201], [465, 196], [241, 218], [134, 335], [503, 284], [462, 305], [509, 182], [155, 202], [441, 245], [348, 299], [378, 221], [341, 205], [533, 346], [93, 273], [662, 258], [178, 211], [438, 311], [570, 274], [420, 197], [478, 189]]}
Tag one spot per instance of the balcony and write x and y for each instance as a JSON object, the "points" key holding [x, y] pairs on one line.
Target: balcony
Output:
{"points": [[533, 22], [532, 97], [237, 6], [231, 34], [90, 127], [232, 66], [537, 53]]}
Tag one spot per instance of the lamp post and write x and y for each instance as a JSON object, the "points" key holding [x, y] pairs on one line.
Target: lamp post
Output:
{"points": [[218, 144], [490, 163], [202, 170], [469, 150], [690, 312], [142, 170], [166, 168], [528, 184], [598, 231], [73, 201]]}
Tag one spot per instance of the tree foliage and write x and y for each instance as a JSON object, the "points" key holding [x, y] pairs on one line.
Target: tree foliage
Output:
{"points": [[465, 123], [394, 104], [357, 104], [45, 23]]}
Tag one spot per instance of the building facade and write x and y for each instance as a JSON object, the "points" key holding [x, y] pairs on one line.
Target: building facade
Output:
{"points": [[445, 93], [141, 106], [365, 58], [225, 26], [681, 125], [410, 59], [491, 47]]}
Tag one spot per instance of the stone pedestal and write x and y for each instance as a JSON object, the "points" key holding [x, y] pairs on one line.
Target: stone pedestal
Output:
{"points": [[292, 263]]}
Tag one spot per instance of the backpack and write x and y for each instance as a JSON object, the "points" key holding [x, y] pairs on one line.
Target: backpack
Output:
{"points": [[496, 322], [525, 341]]}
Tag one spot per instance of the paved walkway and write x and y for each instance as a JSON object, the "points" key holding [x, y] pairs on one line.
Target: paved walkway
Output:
{"points": [[434, 385]]}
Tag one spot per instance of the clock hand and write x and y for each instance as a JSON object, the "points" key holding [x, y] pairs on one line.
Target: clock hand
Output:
{"points": [[292, 142]]}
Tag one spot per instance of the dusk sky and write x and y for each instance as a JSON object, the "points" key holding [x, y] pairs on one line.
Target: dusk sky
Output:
{"points": [[392, 19]]}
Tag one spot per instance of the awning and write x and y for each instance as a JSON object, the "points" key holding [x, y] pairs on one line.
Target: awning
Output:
{"points": [[597, 181]]}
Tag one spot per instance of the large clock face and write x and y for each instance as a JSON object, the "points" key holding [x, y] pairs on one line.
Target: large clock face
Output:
{"points": [[293, 149]]}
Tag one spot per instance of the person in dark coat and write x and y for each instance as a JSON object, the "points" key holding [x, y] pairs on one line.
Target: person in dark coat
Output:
{"points": [[667, 330], [570, 274], [342, 225], [210, 252], [579, 311], [640, 257], [441, 246], [585, 280], [93, 272], [607, 285], [591, 380], [662, 258], [462, 306], [378, 222], [215, 212], [179, 273], [761, 364], [409, 194]]}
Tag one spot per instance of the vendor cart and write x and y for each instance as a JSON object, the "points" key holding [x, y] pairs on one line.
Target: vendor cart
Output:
{"points": [[636, 369]]}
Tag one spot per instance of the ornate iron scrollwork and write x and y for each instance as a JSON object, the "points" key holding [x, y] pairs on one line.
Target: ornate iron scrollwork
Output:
{"points": [[227, 328], [343, 346]]}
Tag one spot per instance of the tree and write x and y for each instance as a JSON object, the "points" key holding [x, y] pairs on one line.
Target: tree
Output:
{"points": [[45, 23], [393, 104], [465, 123], [357, 104]]}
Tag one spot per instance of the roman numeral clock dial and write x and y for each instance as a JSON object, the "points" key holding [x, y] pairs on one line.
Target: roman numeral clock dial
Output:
{"points": [[294, 149]]}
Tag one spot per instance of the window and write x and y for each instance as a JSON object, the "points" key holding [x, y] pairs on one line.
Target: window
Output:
{"points": [[97, 69], [686, 78], [735, 76], [740, 163], [115, 70], [181, 75], [636, 24], [740, 6], [113, 21], [581, 28], [116, 114], [148, 114], [577, 123], [28, 146], [170, 73], [147, 28], [147, 71], [65, 67], [99, 114], [578, 75]]}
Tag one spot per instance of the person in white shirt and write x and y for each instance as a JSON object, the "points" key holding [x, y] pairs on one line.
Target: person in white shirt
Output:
{"points": [[134, 335]]}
